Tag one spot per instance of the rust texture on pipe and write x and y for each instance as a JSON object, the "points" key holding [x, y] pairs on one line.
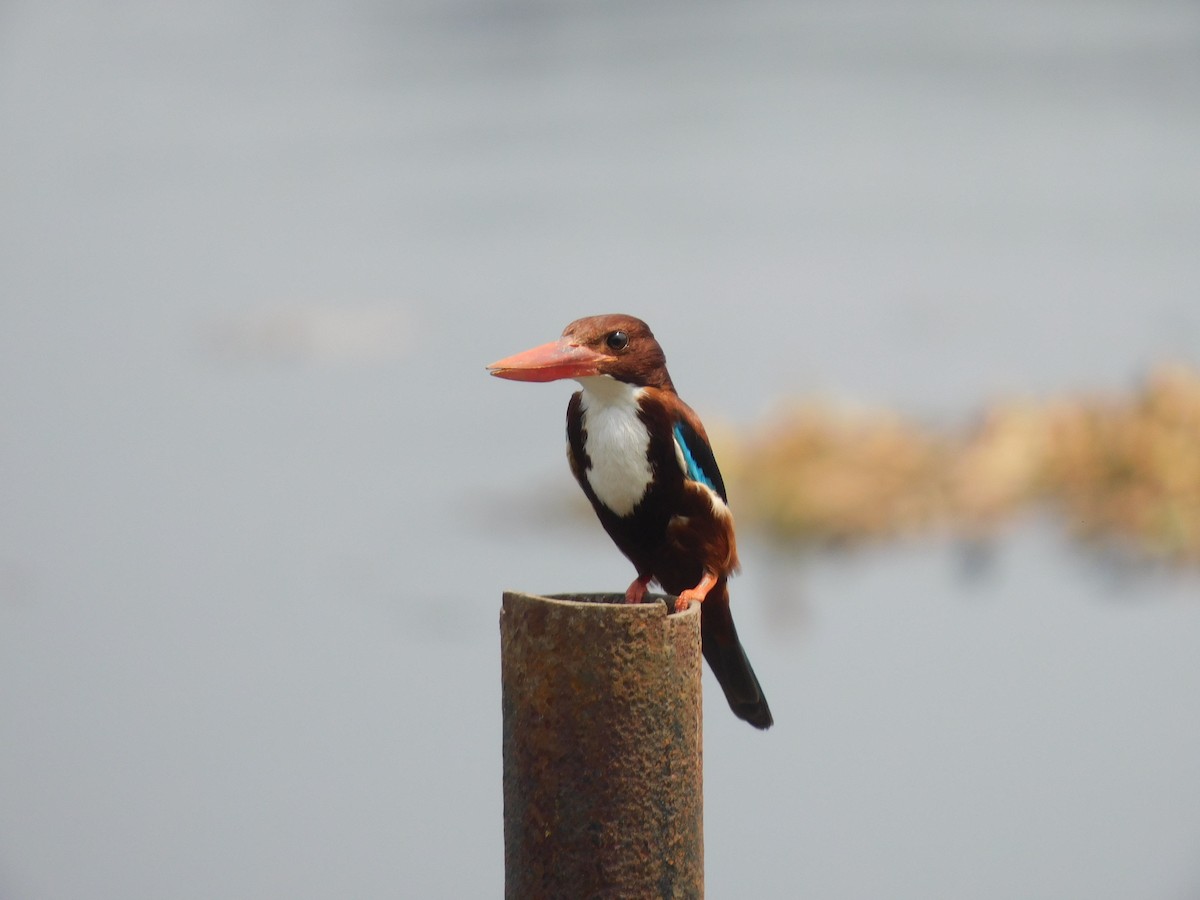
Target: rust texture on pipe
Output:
{"points": [[602, 748]]}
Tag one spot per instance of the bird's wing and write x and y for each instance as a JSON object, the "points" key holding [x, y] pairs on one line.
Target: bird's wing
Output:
{"points": [[576, 455], [695, 455]]}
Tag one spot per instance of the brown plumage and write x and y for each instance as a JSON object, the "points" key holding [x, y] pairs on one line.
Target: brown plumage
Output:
{"points": [[642, 457]]}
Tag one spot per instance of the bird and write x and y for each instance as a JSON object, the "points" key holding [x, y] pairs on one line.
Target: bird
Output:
{"points": [[643, 459]]}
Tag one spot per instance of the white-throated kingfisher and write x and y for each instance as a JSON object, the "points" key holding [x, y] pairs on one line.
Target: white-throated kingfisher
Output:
{"points": [[643, 460]]}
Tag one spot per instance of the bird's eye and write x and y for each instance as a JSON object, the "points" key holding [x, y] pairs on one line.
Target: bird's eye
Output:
{"points": [[618, 340]]}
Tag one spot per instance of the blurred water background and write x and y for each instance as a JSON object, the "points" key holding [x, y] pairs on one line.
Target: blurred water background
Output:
{"points": [[260, 498]]}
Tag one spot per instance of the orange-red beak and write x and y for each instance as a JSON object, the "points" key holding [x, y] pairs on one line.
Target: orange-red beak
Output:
{"points": [[549, 362]]}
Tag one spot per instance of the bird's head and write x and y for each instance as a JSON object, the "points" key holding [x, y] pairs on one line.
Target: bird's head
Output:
{"points": [[619, 346]]}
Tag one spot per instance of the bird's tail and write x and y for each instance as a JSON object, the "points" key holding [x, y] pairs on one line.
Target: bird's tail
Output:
{"points": [[727, 659]]}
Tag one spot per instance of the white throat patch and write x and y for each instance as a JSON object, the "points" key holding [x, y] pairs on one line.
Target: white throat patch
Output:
{"points": [[616, 442]]}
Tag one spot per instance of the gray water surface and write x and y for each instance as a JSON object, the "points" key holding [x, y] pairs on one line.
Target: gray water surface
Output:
{"points": [[260, 498]]}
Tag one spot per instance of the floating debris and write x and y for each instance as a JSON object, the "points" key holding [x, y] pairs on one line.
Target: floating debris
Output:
{"points": [[824, 475], [1119, 470]]}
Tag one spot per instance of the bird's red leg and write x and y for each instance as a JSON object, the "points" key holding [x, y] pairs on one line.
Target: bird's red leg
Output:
{"points": [[637, 590], [699, 592]]}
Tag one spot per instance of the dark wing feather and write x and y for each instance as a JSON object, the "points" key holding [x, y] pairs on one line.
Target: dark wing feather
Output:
{"points": [[576, 454], [699, 462]]}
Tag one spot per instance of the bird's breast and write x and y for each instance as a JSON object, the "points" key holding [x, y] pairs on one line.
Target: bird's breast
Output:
{"points": [[617, 444]]}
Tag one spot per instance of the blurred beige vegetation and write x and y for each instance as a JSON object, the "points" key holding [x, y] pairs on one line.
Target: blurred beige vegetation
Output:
{"points": [[1120, 470]]}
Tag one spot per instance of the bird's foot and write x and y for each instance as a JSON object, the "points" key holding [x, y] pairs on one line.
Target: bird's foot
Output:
{"points": [[637, 591], [697, 593]]}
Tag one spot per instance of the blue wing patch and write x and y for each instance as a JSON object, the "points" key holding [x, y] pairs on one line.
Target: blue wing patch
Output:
{"points": [[699, 463]]}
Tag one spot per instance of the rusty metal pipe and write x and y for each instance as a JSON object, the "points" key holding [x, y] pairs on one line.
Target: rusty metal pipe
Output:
{"points": [[602, 748]]}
